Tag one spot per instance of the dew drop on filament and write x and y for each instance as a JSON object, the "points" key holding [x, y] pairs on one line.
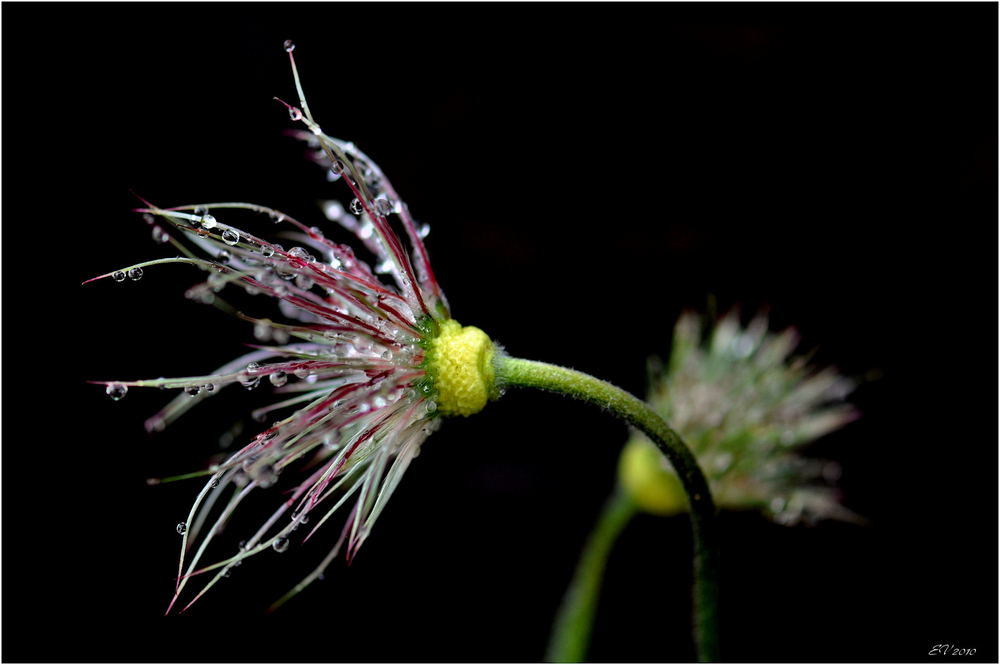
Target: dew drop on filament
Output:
{"points": [[182, 528], [118, 276], [116, 390], [135, 274], [356, 207], [289, 45], [230, 236], [383, 207], [280, 545]]}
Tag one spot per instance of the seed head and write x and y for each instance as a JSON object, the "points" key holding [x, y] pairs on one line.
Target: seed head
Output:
{"points": [[364, 364]]}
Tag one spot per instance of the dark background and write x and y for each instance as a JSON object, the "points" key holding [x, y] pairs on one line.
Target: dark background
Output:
{"points": [[588, 171]]}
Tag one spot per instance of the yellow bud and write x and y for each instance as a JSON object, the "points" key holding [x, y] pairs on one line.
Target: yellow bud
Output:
{"points": [[460, 362], [645, 474]]}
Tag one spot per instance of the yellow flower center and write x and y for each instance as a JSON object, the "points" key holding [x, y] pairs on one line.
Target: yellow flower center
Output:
{"points": [[460, 362]]}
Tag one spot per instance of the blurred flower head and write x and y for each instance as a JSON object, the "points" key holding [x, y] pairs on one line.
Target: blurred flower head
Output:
{"points": [[364, 359], [745, 407]]}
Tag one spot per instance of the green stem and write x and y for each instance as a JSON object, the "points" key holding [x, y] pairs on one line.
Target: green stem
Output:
{"points": [[572, 629], [532, 374]]}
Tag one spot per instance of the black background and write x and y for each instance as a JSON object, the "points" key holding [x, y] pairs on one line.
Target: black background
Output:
{"points": [[588, 171]]}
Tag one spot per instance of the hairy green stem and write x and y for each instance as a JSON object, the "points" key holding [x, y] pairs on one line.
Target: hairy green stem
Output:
{"points": [[532, 374], [571, 632]]}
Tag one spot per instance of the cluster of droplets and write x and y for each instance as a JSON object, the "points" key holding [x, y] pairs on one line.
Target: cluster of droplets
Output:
{"points": [[135, 274]]}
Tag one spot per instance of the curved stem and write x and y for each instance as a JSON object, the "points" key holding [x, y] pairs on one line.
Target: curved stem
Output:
{"points": [[571, 632], [532, 374]]}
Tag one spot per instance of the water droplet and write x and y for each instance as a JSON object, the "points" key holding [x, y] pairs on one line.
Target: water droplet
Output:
{"points": [[208, 221], [160, 236], [230, 236], [383, 206], [424, 230], [243, 545], [252, 367], [304, 282], [214, 483], [200, 211], [247, 381], [301, 372], [118, 276], [149, 219], [387, 355], [240, 479], [266, 251], [135, 274], [289, 45], [116, 390], [192, 390], [295, 114], [280, 545], [431, 406], [278, 379], [182, 528], [338, 167], [266, 476], [304, 520], [356, 207], [300, 253], [227, 572]]}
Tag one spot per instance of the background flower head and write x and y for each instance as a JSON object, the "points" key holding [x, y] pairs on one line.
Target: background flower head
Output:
{"points": [[746, 407]]}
